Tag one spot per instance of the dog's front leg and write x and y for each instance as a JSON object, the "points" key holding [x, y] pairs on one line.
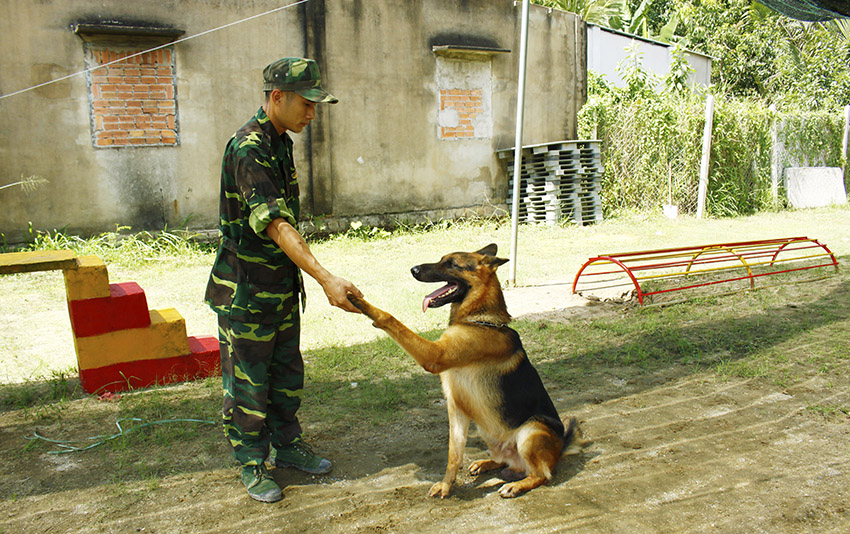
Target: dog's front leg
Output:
{"points": [[379, 317], [426, 353], [480, 467], [458, 427]]}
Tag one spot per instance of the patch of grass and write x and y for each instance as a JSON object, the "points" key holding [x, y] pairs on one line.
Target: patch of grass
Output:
{"points": [[42, 399], [748, 335], [376, 381], [829, 410], [744, 369], [145, 435]]}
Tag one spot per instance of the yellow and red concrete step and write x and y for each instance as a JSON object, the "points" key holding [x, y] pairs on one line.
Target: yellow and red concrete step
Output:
{"points": [[120, 343]]}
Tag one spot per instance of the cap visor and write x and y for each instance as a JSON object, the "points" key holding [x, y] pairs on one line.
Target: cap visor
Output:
{"points": [[318, 95]]}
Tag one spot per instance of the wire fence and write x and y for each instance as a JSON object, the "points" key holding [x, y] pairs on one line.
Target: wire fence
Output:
{"points": [[652, 150]]}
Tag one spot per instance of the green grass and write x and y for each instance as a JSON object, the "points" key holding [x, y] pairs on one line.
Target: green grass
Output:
{"points": [[356, 376], [123, 246], [829, 410]]}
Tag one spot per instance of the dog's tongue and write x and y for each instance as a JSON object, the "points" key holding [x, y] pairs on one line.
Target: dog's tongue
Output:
{"points": [[436, 294]]}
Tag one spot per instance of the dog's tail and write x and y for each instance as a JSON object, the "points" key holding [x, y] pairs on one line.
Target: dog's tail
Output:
{"points": [[573, 443]]}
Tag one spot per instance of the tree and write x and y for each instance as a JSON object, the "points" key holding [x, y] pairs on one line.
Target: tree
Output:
{"points": [[610, 13], [762, 53], [758, 52], [656, 19]]}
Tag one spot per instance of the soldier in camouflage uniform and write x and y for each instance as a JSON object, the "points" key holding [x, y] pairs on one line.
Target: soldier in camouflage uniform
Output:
{"points": [[255, 286]]}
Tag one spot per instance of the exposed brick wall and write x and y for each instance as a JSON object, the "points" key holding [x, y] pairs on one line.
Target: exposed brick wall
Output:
{"points": [[467, 103], [133, 101]]}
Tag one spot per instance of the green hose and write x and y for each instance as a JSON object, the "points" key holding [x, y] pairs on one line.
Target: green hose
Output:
{"points": [[74, 445]]}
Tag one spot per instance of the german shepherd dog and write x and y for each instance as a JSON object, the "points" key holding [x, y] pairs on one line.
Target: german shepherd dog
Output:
{"points": [[486, 375]]}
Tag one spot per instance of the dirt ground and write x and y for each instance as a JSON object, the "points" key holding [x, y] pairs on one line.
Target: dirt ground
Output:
{"points": [[674, 451]]}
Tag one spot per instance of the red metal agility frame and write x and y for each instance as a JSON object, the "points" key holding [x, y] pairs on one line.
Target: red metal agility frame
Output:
{"points": [[799, 253]]}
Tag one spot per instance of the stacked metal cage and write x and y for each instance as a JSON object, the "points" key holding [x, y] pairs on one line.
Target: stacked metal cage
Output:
{"points": [[558, 181]]}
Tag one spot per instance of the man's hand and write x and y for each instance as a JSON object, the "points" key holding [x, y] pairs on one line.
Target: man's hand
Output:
{"points": [[337, 290]]}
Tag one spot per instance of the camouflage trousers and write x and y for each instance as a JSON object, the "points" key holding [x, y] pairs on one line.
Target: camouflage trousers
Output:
{"points": [[262, 376]]}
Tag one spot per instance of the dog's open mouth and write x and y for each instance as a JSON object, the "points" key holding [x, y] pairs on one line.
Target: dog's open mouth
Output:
{"points": [[444, 295]]}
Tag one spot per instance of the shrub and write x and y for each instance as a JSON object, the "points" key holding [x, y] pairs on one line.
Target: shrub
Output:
{"points": [[651, 133]]}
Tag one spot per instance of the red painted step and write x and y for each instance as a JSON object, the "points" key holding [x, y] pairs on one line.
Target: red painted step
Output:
{"points": [[126, 307], [203, 361]]}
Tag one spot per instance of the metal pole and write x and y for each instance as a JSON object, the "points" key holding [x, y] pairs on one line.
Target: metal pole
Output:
{"points": [[846, 139], [706, 156], [774, 156], [520, 102]]}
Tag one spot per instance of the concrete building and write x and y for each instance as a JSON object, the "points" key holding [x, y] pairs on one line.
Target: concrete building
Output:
{"points": [[427, 95]]}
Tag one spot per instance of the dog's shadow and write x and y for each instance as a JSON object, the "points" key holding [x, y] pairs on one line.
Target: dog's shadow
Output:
{"points": [[484, 484]]}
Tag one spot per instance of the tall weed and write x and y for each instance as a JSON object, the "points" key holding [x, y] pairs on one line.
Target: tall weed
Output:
{"points": [[122, 246]]}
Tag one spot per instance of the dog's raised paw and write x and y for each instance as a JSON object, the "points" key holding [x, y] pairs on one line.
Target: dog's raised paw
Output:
{"points": [[361, 304]]}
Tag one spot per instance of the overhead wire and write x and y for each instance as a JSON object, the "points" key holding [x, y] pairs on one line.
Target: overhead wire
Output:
{"points": [[184, 39]]}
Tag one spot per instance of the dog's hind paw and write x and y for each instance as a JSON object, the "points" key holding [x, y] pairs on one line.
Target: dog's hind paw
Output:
{"points": [[509, 491], [514, 489], [441, 490]]}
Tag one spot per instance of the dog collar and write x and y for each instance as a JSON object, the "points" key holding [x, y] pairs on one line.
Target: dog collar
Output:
{"points": [[491, 325]]}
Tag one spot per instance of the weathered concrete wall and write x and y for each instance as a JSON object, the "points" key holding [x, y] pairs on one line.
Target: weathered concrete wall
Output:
{"points": [[388, 156], [47, 132], [378, 152]]}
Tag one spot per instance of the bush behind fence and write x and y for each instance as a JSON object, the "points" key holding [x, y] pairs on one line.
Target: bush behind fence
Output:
{"points": [[652, 149]]}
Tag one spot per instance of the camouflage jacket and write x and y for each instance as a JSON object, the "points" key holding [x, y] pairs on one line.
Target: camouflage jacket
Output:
{"points": [[252, 280]]}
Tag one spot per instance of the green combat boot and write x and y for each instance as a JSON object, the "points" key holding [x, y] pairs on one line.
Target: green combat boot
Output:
{"points": [[259, 484], [300, 455]]}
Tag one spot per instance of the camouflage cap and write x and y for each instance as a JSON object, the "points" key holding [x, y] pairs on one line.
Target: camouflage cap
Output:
{"points": [[298, 75]]}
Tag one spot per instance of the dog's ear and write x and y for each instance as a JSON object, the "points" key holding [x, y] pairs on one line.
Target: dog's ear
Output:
{"points": [[496, 262], [489, 250], [492, 260]]}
